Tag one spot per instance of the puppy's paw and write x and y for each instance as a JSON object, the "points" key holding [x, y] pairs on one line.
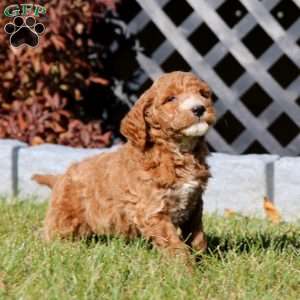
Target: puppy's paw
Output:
{"points": [[199, 243]]}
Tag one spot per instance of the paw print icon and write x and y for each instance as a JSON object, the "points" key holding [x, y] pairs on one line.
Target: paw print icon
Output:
{"points": [[24, 31]]}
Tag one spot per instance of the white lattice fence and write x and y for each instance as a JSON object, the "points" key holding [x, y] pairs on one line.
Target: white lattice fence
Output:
{"points": [[260, 105]]}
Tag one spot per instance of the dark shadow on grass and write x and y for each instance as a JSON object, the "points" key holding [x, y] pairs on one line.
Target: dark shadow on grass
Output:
{"points": [[218, 246], [106, 239], [221, 245]]}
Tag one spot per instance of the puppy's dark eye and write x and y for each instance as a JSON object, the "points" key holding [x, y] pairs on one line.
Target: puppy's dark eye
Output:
{"points": [[205, 94], [170, 99]]}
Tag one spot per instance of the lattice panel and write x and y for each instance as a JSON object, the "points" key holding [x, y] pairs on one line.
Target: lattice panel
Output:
{"points": [[247, 50]]}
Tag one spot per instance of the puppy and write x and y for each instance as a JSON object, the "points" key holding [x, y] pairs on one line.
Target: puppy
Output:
{"points": [[152, 185]]}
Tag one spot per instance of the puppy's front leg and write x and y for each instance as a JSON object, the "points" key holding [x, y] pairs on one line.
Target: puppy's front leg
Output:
{"points": [[163, 233], [193, 230]]}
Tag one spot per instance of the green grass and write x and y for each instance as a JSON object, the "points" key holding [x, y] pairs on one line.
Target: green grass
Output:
{"points": [[247, 259]]}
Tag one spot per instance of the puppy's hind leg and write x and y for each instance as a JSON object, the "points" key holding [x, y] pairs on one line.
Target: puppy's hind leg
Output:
{"points": [[65, 216], [65, 224]]}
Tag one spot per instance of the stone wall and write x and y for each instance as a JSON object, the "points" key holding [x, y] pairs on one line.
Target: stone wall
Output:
{"points": [[239, 182]]}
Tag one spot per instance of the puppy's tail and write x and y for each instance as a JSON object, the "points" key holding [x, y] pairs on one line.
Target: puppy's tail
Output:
{"points": [[48, 180]]}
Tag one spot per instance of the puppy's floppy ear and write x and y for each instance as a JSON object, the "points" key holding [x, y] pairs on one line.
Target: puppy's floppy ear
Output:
{"points": [[134, 126]]}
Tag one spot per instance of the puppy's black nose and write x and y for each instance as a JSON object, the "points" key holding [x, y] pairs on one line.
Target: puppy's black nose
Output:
{"points": [[198, 111]]}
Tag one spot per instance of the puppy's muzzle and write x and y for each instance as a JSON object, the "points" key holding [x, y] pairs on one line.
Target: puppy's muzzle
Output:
{"points": [[198, 111]]}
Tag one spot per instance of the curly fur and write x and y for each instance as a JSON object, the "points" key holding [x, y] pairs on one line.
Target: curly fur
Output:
{"points": [[153, 184]]}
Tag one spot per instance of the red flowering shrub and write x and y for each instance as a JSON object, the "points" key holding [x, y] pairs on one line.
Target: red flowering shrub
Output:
{"points": [[45, 92]]}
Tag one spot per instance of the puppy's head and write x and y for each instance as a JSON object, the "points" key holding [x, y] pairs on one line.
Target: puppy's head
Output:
{"points": [[177, 105]]}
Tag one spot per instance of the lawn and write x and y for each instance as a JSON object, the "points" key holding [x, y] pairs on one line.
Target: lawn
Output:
{"points": [[247, 259]]}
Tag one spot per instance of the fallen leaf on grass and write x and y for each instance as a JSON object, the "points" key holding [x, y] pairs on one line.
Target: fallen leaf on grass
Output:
{"points": [[2, 285], [271, 211], [229, 213]]}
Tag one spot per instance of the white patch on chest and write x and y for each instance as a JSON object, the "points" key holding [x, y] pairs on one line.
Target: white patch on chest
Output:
{"points": [[187, 189], [183, 200]]}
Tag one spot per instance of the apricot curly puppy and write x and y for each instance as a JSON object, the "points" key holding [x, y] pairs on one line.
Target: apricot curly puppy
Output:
{"points": [[150, 186]]}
